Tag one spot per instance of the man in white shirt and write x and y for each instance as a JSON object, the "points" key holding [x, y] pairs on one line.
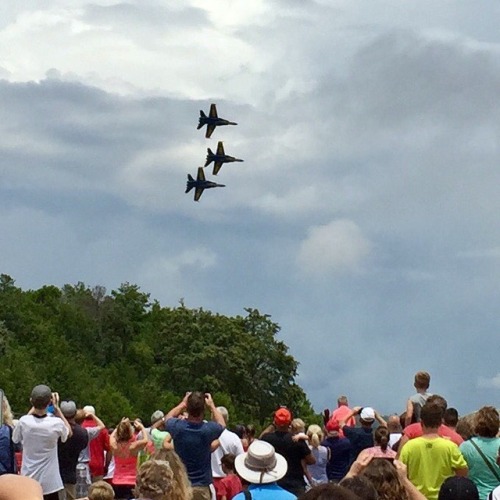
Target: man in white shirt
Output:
{"points": [[39, 433], [229, 442]]}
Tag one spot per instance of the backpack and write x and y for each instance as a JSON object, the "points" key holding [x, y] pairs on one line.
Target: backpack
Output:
{"points": [[7, 457]]}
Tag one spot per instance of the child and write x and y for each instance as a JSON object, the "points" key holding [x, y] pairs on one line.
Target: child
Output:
{"points": [[415, 402], [230, 485]]}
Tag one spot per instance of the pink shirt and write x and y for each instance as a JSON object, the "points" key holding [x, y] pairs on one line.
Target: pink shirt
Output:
{"points": [[377, 452], [125, 465]]}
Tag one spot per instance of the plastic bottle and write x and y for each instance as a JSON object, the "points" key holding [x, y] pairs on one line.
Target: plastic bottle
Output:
{"points": [[82, 488]]}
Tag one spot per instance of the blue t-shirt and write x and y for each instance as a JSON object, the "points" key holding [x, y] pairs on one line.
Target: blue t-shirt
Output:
{"points": [[340, 457], [360, 438], [192, 442], [269, 491]]}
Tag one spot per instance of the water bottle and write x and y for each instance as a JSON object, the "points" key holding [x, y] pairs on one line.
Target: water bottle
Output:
{"points": [[82, 487]]}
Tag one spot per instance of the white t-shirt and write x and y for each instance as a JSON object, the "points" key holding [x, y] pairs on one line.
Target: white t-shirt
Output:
{"points": [[229, 443], [39, 436]]}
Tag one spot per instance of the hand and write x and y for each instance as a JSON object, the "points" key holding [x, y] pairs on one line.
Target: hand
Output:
{"points": [[401, 470], [138, 424], [208, 400], [360, 464], [185, 398], [55, 399], [299, 436], [357, 409]]}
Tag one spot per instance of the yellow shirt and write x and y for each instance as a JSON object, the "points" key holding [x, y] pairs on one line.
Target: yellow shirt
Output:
{"points": [[430, 461]]}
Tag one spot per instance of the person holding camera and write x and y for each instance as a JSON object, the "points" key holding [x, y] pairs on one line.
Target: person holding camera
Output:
{"points": [[39, 433], [193, 438]]}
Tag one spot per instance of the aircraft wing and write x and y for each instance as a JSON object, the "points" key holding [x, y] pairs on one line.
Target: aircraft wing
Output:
{"points": [[201, 174], [198, 193], [217, 166], [220, 149], [213, 111], [210, 129]]}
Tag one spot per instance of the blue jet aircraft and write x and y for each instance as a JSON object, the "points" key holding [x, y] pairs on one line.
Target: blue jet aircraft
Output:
{"points": [[219, 158], [212, 121], [200, 184]]}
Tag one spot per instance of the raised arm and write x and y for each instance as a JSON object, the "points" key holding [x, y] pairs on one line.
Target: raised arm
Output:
{"points": [[216, 414], [177, 410]]}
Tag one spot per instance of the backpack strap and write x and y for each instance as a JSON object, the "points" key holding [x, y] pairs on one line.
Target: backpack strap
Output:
{"points": [[248, 495]]}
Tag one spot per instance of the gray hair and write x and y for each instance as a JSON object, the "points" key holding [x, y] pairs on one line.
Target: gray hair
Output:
{"points": [[223, 411]]}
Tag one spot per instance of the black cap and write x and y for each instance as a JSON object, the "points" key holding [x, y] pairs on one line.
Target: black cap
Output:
{"points": [[458, 488]]}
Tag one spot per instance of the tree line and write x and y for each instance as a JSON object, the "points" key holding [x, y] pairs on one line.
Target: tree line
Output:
{"points": [[128, 356]]}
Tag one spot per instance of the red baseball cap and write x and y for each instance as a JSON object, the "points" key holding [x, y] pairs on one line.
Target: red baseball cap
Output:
{"points": [[332, 425], [282, 417]]}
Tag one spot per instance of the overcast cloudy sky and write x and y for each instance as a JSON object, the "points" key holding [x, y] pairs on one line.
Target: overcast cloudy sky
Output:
{"points": [[364, 219]]}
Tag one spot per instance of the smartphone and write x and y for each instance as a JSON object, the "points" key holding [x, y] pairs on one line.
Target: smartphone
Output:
{"points": [[1, 407]]}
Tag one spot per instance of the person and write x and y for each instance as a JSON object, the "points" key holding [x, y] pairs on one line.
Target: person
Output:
{"points": [[39, 434], [458, 488], [390, 478], [328, 492], [361, 437], [230, 485], [480, 452], [100, 490], [450, 418], [360, 486], [161, 439], [69, 451], [342, 411], [431, 459], [421, 383], [294, 452], [193, 439], [181, 487], [229, 443], [321, 454], [340, 452], [98, 454], [155, 481], [415, 430], [298, 430], [395, 430], [250, 435], [381, 448], [8, 463], [262, 467], [125, 448], [14, 487]]}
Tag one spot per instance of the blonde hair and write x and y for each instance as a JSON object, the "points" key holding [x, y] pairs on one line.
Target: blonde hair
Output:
{"points": [[8, 418], [154, 480], [101, 490], [181, 487], [298, 425], [315, 435], [124, 431]]}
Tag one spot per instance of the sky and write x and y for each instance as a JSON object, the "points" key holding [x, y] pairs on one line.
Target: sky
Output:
{"points": [[364, 218]]}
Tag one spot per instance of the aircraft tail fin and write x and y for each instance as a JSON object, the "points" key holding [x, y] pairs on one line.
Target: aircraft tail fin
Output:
{"points": [[202, 114], [189, 183]]}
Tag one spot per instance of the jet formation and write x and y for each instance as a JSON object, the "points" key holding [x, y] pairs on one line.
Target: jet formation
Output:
{"points": [[200, 183]]}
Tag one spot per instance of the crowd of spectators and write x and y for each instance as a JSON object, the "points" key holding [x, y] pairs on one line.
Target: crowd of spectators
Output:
{"points": [[60, 452]]}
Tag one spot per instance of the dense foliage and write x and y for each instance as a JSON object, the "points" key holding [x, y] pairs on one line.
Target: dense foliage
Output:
{"points": [[129, 356]]}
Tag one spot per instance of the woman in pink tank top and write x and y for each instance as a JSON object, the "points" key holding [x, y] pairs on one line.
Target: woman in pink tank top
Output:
{"points": [[125, 448]]}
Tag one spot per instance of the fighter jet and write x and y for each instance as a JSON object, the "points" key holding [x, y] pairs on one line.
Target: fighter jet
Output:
{"points": [[219, 158], [212, 121], [200, 184]]}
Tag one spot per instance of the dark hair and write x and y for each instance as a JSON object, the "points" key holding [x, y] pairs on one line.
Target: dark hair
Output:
{"points": [[228, 460], [431, 415], [196, 404], [438, 400], [360, 486], [328, 491], [486, 422], [381, 437], [240, 430], [450, 417]]}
